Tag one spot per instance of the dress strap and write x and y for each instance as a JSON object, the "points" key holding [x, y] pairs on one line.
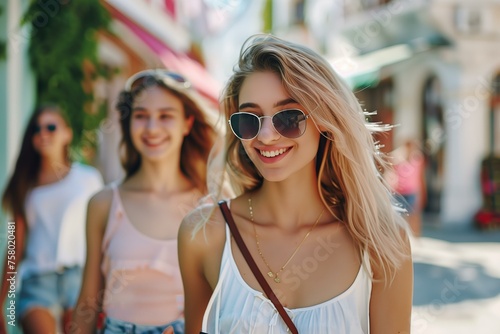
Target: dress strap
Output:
{"points": [[255, 269], [115, 215]]}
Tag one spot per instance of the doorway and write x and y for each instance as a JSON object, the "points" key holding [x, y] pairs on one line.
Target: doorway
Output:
{"points": [[433, 134]]}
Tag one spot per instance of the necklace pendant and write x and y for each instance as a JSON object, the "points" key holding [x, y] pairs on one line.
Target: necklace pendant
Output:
{"points": [[277, 279], [270, 274]]}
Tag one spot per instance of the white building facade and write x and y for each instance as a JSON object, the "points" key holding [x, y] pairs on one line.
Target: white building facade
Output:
{"points": [[430, 66]]}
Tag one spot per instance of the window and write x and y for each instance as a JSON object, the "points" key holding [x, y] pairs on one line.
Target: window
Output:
{"points": [[299, 12]]}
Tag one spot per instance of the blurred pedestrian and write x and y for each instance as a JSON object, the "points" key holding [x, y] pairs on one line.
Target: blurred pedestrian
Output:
{"points": [[312, 210], [409, 181], [46, 198], [132, 273]]}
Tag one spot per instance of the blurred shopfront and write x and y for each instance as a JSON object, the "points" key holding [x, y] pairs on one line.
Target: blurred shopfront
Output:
{"points": [[441, 87]]}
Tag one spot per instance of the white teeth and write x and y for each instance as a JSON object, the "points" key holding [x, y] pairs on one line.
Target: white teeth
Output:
{"points": [[272, 154], [152, 142]]}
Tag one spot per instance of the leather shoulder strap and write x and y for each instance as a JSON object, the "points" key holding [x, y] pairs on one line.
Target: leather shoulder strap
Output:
{"points": [[253, 266]]}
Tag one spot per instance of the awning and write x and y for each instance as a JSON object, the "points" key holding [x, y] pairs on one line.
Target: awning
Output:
{"points": [[156, 19], [376, 41], [364, 71], [412, 25], [203, 82]]}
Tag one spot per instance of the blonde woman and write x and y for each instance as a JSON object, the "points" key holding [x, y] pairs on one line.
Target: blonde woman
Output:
{"points": [[311, 207]]}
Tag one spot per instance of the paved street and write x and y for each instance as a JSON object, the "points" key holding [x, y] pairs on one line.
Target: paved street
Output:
{"points": [[457, 281]]}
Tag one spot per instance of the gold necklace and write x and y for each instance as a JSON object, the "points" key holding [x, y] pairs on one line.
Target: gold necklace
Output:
{"points": [[275, 274]]}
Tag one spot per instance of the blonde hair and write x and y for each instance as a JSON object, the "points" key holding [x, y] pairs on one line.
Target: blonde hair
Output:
{"points": [[349, 181]]}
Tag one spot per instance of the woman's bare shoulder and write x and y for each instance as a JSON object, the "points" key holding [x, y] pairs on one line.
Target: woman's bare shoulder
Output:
{"points": [[201, 242], [102, 198], [402, 256], [99, 206], [204, 225]]}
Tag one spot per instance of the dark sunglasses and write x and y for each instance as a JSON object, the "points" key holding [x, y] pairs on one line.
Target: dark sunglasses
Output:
{"points": [[167, 77], [290, 123], [49, 127]]}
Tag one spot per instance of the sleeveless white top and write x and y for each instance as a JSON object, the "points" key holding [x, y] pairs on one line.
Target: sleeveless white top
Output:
{"points": [[235, 307], [56, 215]]}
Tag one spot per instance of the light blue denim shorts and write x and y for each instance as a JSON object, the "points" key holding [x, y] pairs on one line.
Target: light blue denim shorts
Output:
{"points": [[54, 290], [115, 326], [411, 200]]}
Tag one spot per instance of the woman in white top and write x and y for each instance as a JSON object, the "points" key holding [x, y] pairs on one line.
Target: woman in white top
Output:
{"points": [[47, 198], [311, 207]]}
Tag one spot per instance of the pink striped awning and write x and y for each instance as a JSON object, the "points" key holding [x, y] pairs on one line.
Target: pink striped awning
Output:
{"points": [[203, 82]]}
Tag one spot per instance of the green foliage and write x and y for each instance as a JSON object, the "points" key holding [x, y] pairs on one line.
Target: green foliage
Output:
{"points": [[267, 16], [63, 41]]}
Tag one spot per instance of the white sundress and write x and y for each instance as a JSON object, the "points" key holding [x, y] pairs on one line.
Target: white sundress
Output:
{"points": [[235, 307]]}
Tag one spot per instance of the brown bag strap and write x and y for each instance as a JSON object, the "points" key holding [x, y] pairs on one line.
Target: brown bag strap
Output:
{"points": [[253, 266]]}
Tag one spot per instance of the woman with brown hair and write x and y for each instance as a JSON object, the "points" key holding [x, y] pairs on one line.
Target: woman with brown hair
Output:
{"points": [[132, 273]]}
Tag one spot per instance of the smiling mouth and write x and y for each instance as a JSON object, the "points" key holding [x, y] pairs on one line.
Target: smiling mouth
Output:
{"points": [[272, 154], [153, 143]]}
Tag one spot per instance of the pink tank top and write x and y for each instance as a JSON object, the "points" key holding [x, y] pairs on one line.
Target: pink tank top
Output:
{"points": [[142, 275], [408, 176]]}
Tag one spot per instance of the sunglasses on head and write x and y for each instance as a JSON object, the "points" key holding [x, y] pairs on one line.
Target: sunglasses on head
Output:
{"points": [[49, 127], [290, 123], [169, 78]]}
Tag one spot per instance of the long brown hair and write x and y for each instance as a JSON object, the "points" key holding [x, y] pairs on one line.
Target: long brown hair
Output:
{"points": [[197, 144], [28, 164]]}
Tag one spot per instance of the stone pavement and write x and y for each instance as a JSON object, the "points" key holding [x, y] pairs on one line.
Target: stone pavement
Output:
{"points": [[457, 281]]}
